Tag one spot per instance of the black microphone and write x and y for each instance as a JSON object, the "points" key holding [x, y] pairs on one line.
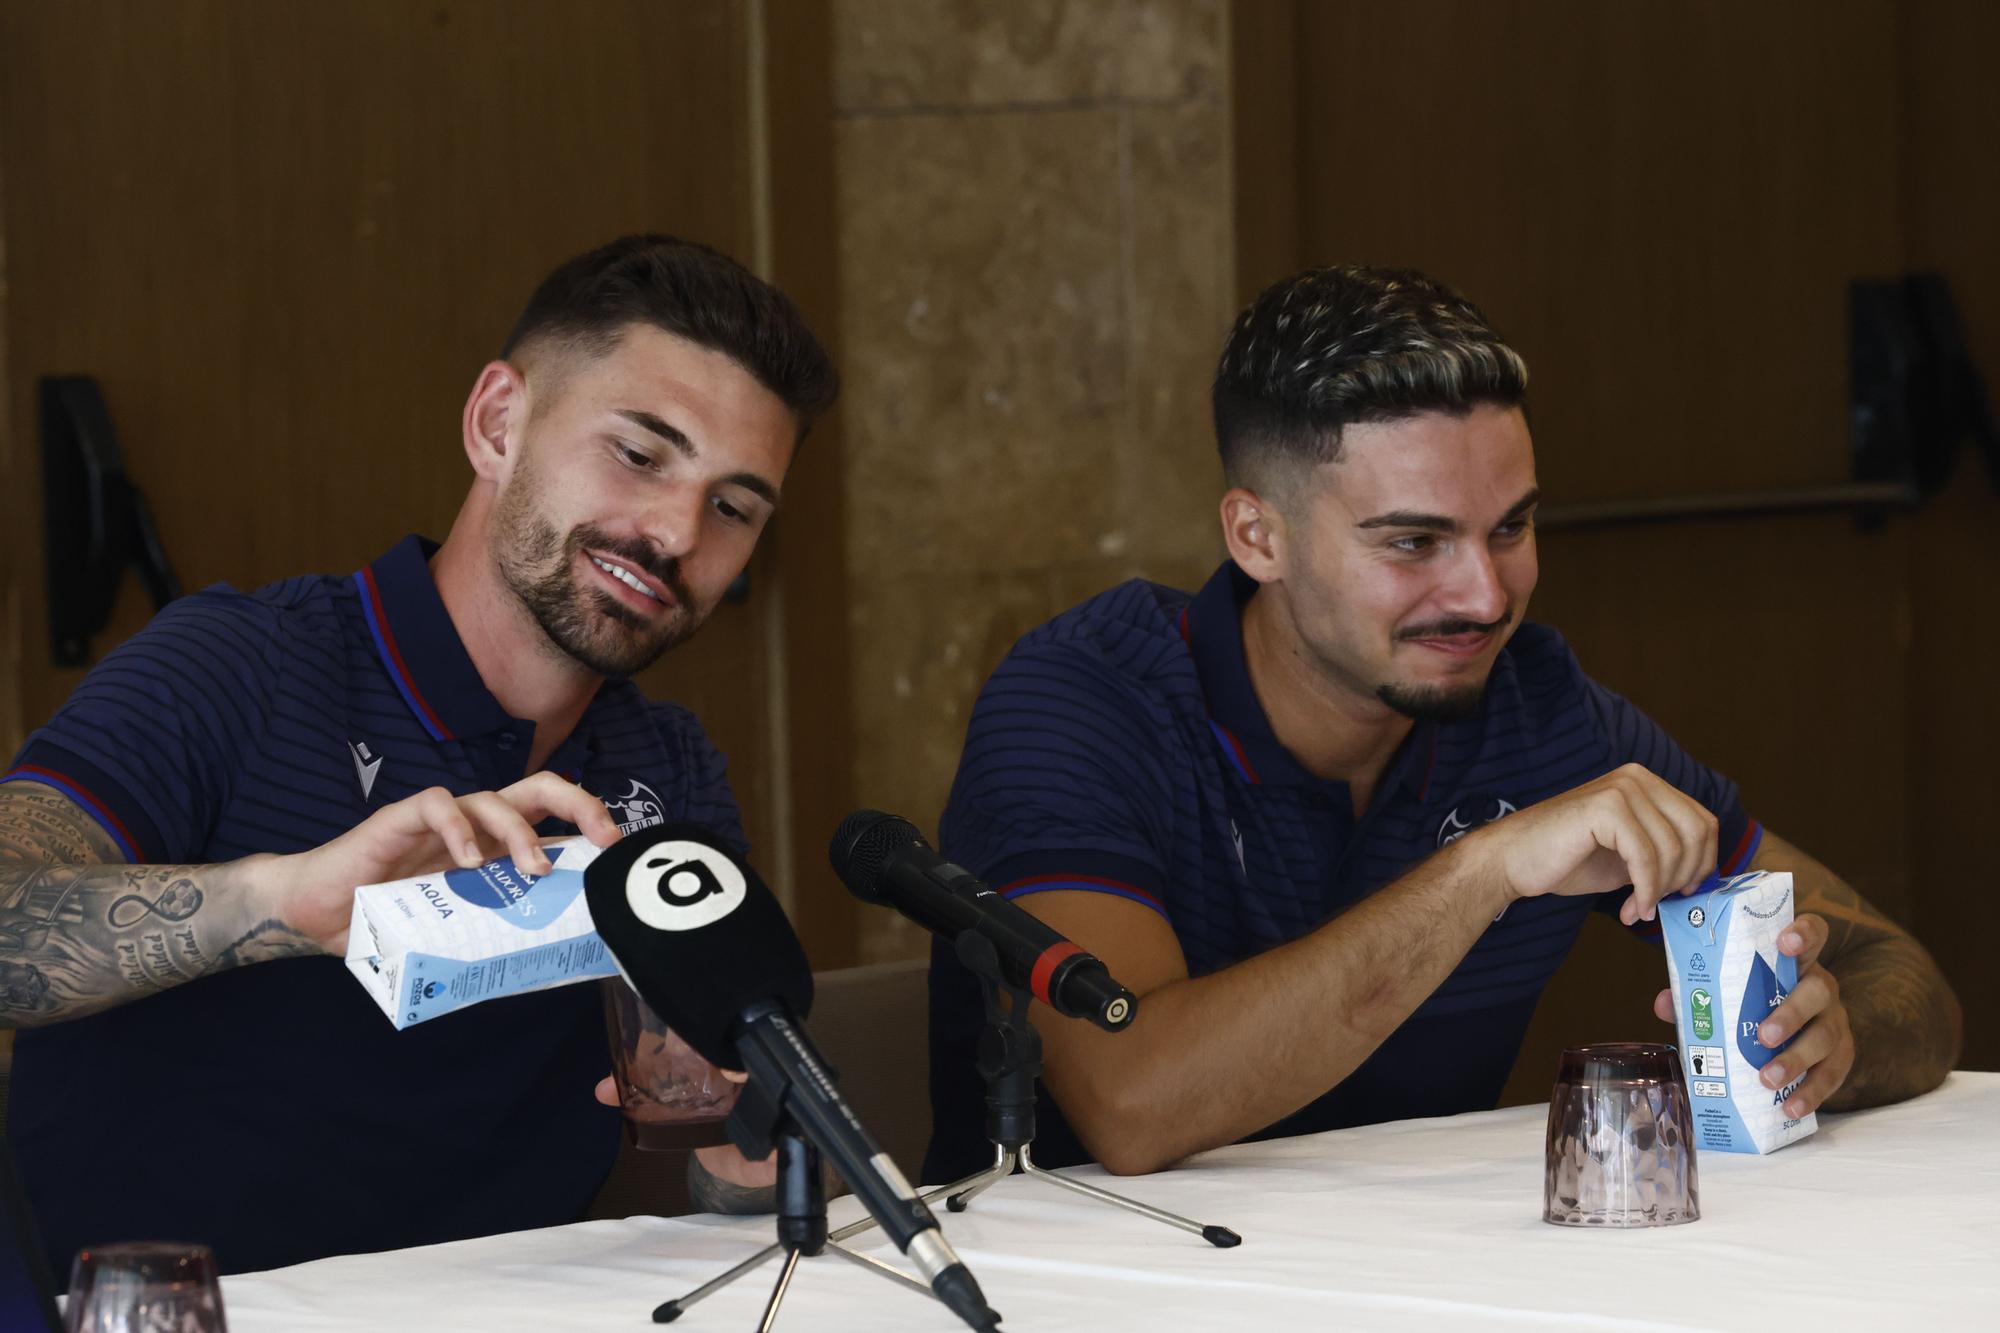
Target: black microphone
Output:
{"points": [[885, 861], [708, 947]]}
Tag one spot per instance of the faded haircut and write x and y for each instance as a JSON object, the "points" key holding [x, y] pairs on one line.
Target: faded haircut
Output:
{"points": [[1335, 346], [580, 311]]}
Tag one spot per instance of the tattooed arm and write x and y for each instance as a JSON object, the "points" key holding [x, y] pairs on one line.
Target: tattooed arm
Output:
{"points": [[80, 931], [1875, 1019], [1902, 1018], [720, 1180]]}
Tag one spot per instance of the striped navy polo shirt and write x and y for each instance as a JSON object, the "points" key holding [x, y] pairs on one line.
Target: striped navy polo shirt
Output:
{"points": [[1120, 749], [272, 1111]]}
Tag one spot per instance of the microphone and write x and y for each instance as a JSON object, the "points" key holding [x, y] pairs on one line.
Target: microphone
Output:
{"points": [[884, 860], [697, 934]]}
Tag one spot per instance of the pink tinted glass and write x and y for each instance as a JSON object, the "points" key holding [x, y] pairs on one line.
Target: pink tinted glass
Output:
{"points": [[1620, 1139], [672, 1098], [150, 1287]]}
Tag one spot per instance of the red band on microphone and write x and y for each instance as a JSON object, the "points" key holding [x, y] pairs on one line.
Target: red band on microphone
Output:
{"points": [[1045, 967]]}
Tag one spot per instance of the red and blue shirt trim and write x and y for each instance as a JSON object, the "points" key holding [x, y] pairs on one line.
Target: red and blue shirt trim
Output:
{"points": [[1747, 847], [392, 657], [1021, 888], [86, 800]]}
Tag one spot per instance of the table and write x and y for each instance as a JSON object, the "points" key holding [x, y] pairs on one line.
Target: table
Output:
{"points": [[1885, 1218]]}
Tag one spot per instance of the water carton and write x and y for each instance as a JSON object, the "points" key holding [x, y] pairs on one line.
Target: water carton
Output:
{"points": [[425, 946], [1727, 976]]}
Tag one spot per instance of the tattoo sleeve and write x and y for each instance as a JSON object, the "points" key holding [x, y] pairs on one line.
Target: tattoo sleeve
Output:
{"points": [[712, 1194], [1907, 1023], [80, 931]]}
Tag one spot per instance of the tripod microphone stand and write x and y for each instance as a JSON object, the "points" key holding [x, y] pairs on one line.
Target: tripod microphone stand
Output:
{"points": [[802, 1229], [1010, 1060]]}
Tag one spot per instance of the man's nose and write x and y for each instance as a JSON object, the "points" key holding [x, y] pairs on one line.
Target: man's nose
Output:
{"points": [[672, 521], [1475, 592]]}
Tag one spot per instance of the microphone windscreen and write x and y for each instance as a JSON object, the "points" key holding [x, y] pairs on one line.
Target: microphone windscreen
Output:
{"points": [[696, 933], [863, 842]]}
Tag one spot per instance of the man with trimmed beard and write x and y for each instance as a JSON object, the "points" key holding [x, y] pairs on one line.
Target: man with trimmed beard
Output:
{"points": [[213, 792], [1337, 817]]}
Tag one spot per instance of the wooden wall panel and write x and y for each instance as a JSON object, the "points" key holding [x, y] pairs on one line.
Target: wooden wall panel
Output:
{"points": [[819, 738], [1777, 651], [1662, 207], [1952, 216], [1659, 205], [286, 237]]}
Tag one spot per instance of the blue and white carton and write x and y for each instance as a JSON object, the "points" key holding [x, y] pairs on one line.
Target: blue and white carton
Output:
{"points": [[1727, 977], [427, 945]]}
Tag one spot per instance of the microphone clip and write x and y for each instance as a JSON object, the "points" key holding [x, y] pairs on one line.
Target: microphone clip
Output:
{"points": [[754, 1125]]}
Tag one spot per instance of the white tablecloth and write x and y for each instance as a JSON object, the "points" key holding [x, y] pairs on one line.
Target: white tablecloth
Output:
{"points": [[1884, 1219]]}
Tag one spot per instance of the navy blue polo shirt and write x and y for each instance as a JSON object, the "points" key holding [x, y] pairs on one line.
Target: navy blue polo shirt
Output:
{"points": [[1120, 748], [272, 1111]]}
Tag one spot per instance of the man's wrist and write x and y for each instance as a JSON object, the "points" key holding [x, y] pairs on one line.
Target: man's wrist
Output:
{"points": [[259, 886], [1472, 867], [710, 1193]]}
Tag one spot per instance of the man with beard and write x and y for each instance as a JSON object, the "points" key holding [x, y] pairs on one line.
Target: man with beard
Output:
{"points": [[1336, 817], [213, 792]]}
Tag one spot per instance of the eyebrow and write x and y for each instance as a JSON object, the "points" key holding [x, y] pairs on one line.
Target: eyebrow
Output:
{"points": [[671, 434], [1410, 518], [674, 436]]}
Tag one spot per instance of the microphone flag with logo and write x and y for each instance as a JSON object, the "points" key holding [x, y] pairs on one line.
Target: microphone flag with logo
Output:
{"points": [[696, 934]]}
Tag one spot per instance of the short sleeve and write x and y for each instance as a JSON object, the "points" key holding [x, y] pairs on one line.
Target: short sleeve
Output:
{"points": [[150, 742], [1634, 738], [1061, 784]]}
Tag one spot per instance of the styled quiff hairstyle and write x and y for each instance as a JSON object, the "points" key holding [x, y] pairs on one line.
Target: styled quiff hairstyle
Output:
{"points": [[686, 289], [1335, 346]]}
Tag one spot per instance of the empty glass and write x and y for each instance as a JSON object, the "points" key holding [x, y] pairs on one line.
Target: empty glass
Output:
{"points": [[1621, 1141], [149, 1287], [672, 1098]]}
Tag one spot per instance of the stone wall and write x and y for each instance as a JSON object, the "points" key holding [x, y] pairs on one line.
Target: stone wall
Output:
{"points": [[1035, 264]]}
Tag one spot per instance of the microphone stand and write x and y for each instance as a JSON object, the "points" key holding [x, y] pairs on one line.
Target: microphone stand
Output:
{"points": [[756, 1126], [1010, 1060]]}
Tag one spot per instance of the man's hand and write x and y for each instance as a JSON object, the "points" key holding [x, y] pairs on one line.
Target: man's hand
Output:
{"points": [[1627, 827], [720, 1178], [312, 892], [1149, 1095], [607, 1087], [87, 933], [1824, 1050]]}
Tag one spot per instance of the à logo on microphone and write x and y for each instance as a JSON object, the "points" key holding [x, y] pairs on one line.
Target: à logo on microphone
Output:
{"points": [[683, 886]]}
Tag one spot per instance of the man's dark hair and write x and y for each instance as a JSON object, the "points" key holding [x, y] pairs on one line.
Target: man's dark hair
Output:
{"points": [[687, 289], [1335, 346]]}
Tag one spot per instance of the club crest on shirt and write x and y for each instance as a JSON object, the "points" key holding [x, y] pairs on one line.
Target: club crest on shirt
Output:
{"points": [[1468, 815], [636, 809]]}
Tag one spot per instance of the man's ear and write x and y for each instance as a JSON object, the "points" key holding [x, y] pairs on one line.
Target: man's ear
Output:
{"points": [[495, 412], [1254, 531]]}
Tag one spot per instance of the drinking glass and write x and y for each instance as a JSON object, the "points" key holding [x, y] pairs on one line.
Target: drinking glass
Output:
{"points": [[671, 1097], [1620, 1140], [146, 1287]]}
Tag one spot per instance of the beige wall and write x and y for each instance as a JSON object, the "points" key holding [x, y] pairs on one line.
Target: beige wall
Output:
{"points": [[1035, 279]]}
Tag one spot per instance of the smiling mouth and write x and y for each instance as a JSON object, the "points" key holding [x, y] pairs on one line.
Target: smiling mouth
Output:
{"points": [[1456, 645], [620, 574]]}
